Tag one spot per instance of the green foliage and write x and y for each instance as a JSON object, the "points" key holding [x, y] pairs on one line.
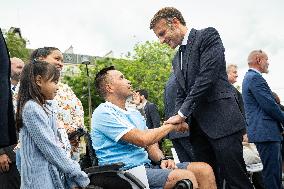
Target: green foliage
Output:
{"points": [[148, 68], [166, 147], [17, 46]]}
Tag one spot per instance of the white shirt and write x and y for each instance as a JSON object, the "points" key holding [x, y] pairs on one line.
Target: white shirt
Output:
{"points": [[255, 70], [184, 41]]}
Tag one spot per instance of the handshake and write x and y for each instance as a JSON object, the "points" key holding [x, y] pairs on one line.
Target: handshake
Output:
{"points": [[178, 123]]}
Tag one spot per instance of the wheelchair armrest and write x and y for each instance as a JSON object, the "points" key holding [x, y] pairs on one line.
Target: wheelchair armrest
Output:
{"points": [[104, 168], [134, 180]]}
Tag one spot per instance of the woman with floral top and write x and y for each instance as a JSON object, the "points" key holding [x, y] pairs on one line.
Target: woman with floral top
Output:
{"points": [[70, 110]]}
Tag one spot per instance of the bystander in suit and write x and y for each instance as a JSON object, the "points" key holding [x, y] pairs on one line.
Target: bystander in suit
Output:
{"points": [[17, 66], [232, 72], [264, 118], [205, 97], [150, 110]]}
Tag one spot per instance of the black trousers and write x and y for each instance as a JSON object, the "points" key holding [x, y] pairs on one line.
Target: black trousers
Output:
{"points": [[225, 155], [184, 149], [10, 179]]}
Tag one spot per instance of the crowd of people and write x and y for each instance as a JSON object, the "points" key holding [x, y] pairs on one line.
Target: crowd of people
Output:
{"points": [[208, 120]]}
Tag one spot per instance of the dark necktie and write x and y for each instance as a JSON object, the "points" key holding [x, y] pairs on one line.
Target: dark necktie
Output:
{"points": [[13, 88], [182, 48]]}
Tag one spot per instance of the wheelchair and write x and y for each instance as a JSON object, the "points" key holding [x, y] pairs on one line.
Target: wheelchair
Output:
{"points": [[110, 176]]}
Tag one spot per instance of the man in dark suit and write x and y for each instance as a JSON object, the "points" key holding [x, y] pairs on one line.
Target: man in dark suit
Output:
{"points": [[264, 118], [9, 175], [180, 140], [232, 72], [150, 109], [205, 98]]}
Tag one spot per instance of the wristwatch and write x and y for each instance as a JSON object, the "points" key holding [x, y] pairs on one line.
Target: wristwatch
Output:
{"points": [[160, 161]]}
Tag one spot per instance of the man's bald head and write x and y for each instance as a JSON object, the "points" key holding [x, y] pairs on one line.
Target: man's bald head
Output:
{"points": [[17, 66], [258, 59]]}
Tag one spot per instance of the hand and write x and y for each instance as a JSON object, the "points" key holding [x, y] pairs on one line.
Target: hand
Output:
{"points": [[182, 127], [175, 119], [75, 142], [4, 163], [245, 138], [168, 164], [136, 98]]}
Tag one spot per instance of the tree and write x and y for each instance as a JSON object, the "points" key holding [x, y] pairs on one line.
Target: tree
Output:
{"points": [[148, 68], [17, 46]]}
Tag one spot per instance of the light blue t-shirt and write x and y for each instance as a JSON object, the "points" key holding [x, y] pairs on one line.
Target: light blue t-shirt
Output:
{"points": [[109, 124]]}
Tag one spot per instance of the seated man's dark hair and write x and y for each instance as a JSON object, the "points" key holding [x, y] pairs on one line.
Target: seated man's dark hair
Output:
{"points": [[167, 13], [101, 80]]}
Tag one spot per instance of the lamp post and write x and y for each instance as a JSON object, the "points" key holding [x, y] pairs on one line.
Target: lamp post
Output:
{"points": [[87, 62]]}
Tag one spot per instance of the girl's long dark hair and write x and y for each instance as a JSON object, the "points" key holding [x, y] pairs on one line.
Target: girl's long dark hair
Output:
{"points": [[29, 90]]}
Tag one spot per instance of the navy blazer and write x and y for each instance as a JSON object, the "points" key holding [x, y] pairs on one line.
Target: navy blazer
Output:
{"points": [[263, 114], [203, 88], [152, 115]]}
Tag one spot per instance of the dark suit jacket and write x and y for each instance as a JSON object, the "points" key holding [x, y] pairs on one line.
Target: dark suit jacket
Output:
{"points": [[170, 95], [204, 91], [152, 115], [7, 122], [240, 101], [263, 114]]}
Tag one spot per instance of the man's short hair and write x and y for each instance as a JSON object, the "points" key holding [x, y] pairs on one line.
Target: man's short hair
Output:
{"points": [[167, 13], [101, 80], [230, 66], [143, 92]]}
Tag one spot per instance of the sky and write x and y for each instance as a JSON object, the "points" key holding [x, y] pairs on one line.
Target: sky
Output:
{"points": [[95, 27]]}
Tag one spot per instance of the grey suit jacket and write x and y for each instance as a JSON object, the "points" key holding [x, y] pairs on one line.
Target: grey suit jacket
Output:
{"points": [[203, 88]]}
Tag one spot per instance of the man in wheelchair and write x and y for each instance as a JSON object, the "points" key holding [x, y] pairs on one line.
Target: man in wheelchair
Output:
{"points": [[120, 135]]}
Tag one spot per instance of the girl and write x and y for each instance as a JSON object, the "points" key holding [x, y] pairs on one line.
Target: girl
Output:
{"points": [[44, 164], [70, 114]]}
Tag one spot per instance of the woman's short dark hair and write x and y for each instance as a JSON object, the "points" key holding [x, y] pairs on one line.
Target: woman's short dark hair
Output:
{"points": [[42, 52]]}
